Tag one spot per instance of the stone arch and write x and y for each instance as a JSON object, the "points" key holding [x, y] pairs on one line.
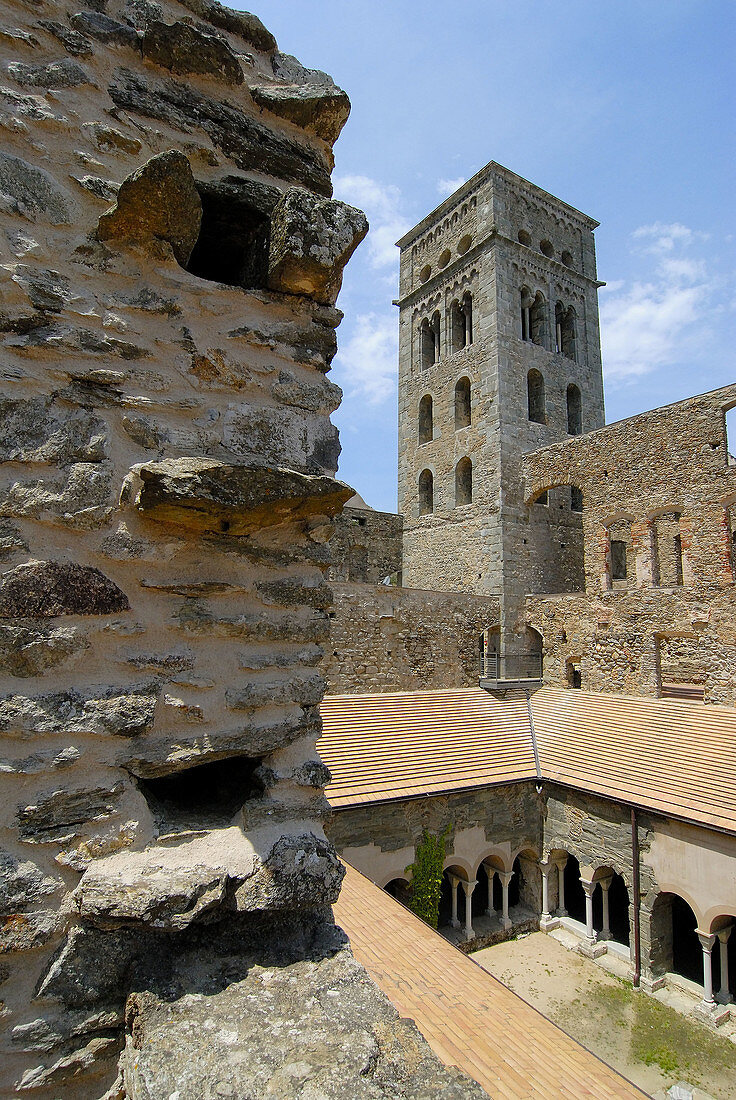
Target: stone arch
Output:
{"points": [[536, 405], [462, 403], [399, 888], [426, 492], [463, 482], [425, 419], [675, 945]]}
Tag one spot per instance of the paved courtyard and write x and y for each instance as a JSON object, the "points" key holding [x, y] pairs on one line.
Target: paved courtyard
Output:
{"points": [[650, 1040]]}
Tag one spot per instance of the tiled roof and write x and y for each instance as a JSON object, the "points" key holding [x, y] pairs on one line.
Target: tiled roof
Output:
{"points": [[675, 758], [396, 745], [469, 1019]]}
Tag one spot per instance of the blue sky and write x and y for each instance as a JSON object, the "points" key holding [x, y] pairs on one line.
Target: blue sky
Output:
{"points": [[622, 109]]}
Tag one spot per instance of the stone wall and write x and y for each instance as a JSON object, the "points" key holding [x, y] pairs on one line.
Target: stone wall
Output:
{"points": [[170, 263], [662, 484], [366, 546], [385, 638]]}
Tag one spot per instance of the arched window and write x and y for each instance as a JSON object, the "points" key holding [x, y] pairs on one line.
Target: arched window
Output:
{"points": [[426, 344], [538, 320], [535, 396], [574, 410], [457, 327], [618, 560], [467, 308], [462, 403], [565, 330], [526, 302], [464, 482], [425, 419], [426, 493], [435, 326]]}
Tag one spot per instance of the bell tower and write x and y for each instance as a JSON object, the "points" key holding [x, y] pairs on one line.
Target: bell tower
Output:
{"points": [[499, 354]]}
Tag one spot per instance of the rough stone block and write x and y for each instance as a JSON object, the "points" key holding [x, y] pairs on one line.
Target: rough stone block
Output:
{"points": [[183, 49], [32, 192], [157, 202], [311, 241], [56, 74], [44, 589], [318, 109]]}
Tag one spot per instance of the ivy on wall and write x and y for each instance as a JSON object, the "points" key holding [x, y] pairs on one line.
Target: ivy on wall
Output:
{"points": [[426, 876]]}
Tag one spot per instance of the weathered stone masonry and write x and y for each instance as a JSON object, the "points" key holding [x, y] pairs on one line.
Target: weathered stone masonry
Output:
{"points": [[170, 259]]}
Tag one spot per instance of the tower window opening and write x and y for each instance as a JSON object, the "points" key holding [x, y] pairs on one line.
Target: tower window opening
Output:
{"points": [[545, 247], [576, 499], [535, 396], [524, 237], [574, 410], [565, 330], [463, 482], [537, 320], [618, 560], [426, 493], [462, 403], [425, 419], [427, 345]]}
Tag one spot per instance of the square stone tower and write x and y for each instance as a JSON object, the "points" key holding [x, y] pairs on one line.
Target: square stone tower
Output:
{"points": [[499, 354]]}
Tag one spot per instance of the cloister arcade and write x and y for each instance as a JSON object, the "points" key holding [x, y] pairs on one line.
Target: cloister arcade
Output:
{"points": [[498, 894]]}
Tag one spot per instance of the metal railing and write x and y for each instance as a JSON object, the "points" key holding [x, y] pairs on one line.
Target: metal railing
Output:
{"points": [[515, 666]]}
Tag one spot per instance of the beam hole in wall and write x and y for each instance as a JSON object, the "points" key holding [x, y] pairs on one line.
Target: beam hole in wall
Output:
{"points": [[233, 242], [206, 796]]}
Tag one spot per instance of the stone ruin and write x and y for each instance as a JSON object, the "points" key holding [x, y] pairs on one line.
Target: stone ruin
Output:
{"points": [[171, 257]]}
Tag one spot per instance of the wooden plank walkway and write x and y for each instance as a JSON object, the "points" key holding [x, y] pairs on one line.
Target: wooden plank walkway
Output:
{"points": [[467, 1016]]}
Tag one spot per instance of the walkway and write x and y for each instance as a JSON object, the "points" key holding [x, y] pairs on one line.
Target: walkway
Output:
{"points": [[469, 1019]]}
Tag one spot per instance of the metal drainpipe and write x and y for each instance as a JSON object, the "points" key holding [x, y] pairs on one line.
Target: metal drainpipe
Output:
{"points": [[637, 897]]}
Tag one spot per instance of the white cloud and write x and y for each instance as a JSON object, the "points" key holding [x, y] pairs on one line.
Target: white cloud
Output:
{"points": [[366, 363], [658, 317], [447, 187], [381, 203]]}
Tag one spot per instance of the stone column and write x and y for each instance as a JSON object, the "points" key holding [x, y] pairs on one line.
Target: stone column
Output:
{"points": [[545, 867], [561, 864], [604, 884], [505, 877], [724, 995], [589, 888], [468, 888], [491, 874], [454, 882], [706, 942]]}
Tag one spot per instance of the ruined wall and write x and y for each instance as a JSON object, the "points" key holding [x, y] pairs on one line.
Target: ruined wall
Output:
{"points": [[661, 484], [366, 546], [169, 263], [385, 638]]}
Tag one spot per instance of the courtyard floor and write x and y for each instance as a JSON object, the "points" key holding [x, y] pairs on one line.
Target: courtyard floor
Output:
{"points": [[650, 1040]]}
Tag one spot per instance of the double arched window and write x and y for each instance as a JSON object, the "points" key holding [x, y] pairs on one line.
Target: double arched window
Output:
{"points": [[533, 317]]}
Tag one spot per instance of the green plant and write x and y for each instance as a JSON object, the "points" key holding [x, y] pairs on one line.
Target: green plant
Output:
{"points": [[426, 876]]}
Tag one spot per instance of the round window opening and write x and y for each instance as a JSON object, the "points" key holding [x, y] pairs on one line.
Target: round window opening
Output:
{"points": [[547, 249], [465, 243], [524, 237], [425, 273], [567, 259], [444, 258]]}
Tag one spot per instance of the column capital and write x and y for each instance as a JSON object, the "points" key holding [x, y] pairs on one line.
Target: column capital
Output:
{"points": [[454, 880], [707, 939], [724, 933], [560, 863], [505, 877], [605, 883], [589, 886], [468, 886], [545, 865]]}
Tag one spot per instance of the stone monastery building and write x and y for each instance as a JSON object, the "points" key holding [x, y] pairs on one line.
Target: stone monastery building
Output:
{"points": [[560, 608]]}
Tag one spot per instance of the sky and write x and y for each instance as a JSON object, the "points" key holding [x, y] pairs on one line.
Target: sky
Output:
{"points": [[623, 109]]}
